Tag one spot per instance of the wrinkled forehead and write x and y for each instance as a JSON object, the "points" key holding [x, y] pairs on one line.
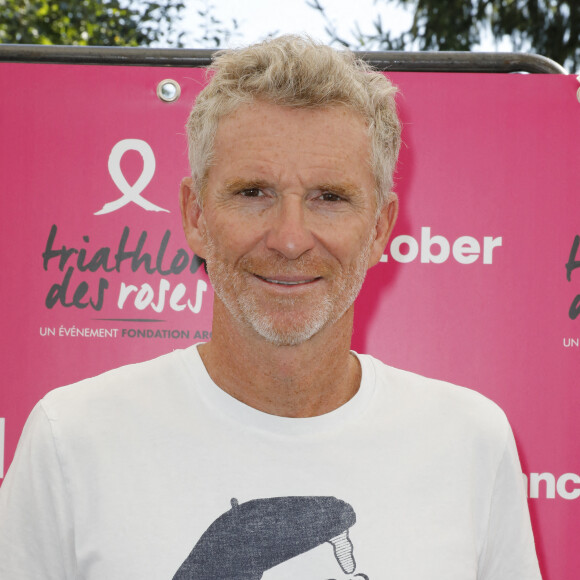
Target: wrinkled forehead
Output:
{"points": [[262, 129], [258, 107]]}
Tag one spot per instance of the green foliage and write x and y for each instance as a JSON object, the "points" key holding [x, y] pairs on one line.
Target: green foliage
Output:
{"points": [[89, 22], [547, 27]]}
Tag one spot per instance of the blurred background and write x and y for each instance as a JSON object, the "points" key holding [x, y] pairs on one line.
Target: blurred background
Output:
{"points": [[547, 27]]}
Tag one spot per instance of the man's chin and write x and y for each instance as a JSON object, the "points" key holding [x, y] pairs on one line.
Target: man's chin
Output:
{"points": [[291, 323], [283, 336]]}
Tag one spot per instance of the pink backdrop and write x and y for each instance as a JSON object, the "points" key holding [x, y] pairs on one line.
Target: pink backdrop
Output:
{"points": [[473, 287]]}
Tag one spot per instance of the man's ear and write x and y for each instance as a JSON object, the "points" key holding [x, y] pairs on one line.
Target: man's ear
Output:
{"points": [[192, 217], [385, 223]]}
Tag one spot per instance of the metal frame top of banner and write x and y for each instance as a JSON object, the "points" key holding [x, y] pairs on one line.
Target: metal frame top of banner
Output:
{"points": [[474, 62]]}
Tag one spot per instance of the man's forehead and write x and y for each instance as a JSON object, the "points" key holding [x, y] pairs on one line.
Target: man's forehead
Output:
{"points": [[266, 133], [334, 115]]}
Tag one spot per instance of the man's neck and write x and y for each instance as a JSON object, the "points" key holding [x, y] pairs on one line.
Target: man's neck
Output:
{"points": [[305, 380]]}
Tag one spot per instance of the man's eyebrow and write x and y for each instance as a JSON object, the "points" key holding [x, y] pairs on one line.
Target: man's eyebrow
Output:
{"points": [[342, 189], [240, 184]]}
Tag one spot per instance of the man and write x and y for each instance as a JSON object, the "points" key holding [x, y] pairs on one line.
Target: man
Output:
{"points": [[273, 451]]}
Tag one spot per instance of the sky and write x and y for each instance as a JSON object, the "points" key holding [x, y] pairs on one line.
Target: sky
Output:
{"points": [[258, 18]]}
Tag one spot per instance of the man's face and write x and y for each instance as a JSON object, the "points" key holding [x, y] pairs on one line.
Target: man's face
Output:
{"points": [[289, 222]]}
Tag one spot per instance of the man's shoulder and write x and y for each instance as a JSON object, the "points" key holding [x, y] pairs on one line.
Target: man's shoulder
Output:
{"points": [[437, 401], [123, 384]]}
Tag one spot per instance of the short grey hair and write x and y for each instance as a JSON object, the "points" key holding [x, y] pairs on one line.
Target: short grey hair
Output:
{"points": [[295, 71]]}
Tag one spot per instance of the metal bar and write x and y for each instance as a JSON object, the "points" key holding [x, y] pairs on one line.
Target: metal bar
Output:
{"points": [[105, 55], [477, 62]]}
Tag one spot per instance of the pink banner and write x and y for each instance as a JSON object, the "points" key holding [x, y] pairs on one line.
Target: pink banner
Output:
{"points": [[480, 284]]}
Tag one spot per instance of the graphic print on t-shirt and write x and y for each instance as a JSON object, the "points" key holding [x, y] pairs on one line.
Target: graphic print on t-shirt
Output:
{"points": [[259, 534]]}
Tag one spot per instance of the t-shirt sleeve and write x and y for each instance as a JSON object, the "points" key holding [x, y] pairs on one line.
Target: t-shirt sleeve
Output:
{"points": [[509, 550], [36, 531]]}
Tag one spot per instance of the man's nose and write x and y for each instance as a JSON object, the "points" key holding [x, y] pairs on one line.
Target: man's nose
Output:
{"points": [[288, 232]]}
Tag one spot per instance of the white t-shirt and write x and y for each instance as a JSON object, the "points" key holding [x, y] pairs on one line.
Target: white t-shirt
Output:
{"points": [[153, 472]]}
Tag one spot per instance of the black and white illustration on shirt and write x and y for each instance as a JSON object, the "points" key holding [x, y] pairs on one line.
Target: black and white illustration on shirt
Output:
{"points": [[255, 536]]}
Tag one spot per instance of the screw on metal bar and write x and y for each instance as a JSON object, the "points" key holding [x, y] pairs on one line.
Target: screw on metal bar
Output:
{"points": [[168, 90]]}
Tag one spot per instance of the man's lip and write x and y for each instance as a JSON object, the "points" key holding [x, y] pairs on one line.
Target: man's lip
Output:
{"points": [[288, 280]]}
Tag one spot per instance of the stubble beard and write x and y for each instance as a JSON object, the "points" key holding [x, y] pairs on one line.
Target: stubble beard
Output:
{"points": [[245, 306]]}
